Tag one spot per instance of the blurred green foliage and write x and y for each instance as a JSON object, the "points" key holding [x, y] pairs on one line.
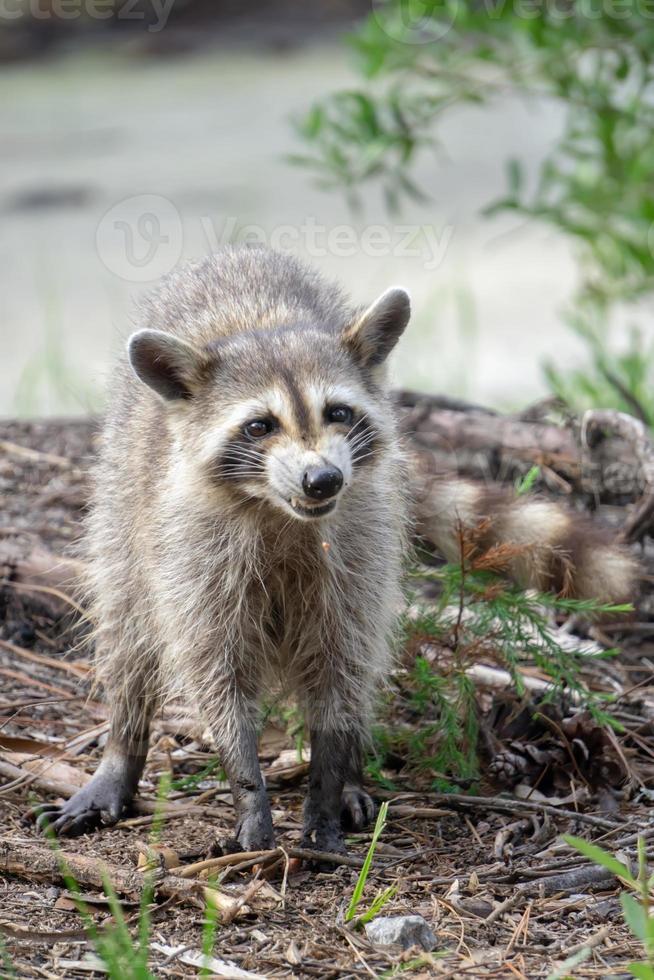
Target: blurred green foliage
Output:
{"points": [[48, 378], [419, 59]]}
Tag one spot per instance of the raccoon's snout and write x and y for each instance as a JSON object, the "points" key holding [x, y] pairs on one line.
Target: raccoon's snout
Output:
{"points": [[322, 482]]}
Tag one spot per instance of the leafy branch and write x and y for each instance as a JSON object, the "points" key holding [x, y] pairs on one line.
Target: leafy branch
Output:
{"points": [[420, 59], [479, 616]]}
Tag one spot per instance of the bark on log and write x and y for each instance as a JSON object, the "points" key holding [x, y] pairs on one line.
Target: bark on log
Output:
{"points": [[42, 863], [636, 434], [455, 439]]}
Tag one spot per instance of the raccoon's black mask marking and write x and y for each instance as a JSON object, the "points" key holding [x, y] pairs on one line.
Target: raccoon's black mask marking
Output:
{"points": [[365, 440], [241, 460]]}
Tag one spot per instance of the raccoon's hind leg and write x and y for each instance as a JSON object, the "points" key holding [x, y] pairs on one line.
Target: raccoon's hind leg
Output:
{"points": [[334, 801], [322, 808], [111, 790]]}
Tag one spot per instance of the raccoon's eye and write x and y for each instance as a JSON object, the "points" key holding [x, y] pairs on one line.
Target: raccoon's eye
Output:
{"points": [[339, 413], [258, 428]]}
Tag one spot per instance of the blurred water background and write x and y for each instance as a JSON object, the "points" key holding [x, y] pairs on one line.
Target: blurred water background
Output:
{"points": [[125, 151]]}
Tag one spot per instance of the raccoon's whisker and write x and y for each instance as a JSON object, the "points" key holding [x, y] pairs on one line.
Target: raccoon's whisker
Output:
{"points": [[237, 456], [361, 436], [246, 474], [243, 455], [244, 461], [244, 450], [357, 424], [240, 461], [353, 433], [229, 457], [361, 440]]}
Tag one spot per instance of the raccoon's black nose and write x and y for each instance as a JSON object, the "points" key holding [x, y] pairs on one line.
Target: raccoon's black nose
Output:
{"points": [[322, 482]]}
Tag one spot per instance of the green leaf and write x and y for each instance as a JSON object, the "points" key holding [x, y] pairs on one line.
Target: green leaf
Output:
{"points": [[377, 904], [527, 482], [5, 961], [635, 916], [642, 971]]}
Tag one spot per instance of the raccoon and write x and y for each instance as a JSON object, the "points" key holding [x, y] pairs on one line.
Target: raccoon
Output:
{"points": [[248, 526], [247, 529]]}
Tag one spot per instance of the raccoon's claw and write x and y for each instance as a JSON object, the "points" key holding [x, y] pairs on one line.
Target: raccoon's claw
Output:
{"points": [[101, 803], [357, 807], [63, 825]]}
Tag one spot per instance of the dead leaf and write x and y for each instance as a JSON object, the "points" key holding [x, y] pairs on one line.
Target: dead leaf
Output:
{"points": [[28, 746], [156, 856]]}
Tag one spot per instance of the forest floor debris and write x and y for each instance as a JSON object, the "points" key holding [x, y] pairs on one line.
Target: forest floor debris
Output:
{"points": [[489, 872]]}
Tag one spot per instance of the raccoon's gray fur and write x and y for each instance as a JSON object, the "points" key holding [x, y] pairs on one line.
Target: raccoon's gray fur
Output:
{"points": [[248, 526], [210, 574]]}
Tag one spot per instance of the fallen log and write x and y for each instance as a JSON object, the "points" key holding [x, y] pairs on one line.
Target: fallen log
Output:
{"points": [[448, 438], [24, 859]]}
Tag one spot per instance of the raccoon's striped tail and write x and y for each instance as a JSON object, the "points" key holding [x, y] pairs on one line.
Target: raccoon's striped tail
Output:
{"points": [[545, 545]]}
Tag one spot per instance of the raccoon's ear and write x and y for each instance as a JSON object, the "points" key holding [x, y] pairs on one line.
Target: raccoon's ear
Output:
{"points": [[168, 365], [374, 334]]}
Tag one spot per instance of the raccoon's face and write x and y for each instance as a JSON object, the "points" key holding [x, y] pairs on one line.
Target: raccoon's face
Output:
{"points": [[302, 439], [292, 416]]}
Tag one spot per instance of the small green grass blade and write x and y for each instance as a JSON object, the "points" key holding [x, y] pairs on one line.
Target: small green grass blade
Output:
{"points": [[527, 482], [357, 894]]}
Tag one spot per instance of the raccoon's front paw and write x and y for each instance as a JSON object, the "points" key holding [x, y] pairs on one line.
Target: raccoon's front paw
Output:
{"points": [[357, 807], [254, 830], [100, 803]]}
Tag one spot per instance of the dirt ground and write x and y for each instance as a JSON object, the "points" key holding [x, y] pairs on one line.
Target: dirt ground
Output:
{"points": [[503, 894]]}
